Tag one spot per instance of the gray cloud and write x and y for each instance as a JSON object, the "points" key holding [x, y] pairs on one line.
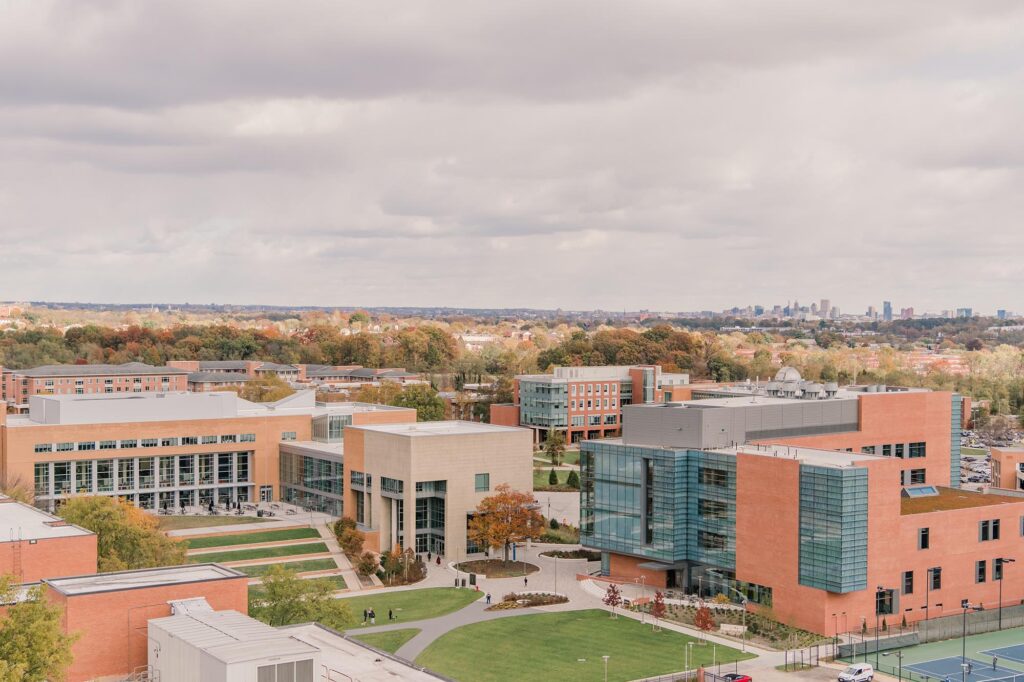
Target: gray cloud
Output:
{"points": [[577, 154]]}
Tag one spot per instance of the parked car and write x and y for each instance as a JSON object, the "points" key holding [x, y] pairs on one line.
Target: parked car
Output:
{"points": [[858, 672], [736, 677]]}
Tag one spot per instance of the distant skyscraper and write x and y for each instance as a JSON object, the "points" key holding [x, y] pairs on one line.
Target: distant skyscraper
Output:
{"points": [[1001, 314], [965, 312], [906, 313], [872, 312], [887, 311], [825, 308], [759, 310]]}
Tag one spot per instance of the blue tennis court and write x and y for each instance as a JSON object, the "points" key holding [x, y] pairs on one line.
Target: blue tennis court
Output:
{"points": [[949, 668], [1013, 653]]}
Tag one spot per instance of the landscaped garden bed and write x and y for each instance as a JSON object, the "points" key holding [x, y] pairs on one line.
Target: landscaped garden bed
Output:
{"points": [[587, 554], [497, 568], [526, 600], [761, 628]]}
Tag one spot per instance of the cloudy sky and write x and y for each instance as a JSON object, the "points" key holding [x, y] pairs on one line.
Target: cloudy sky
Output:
{"points": [[676, 155]]}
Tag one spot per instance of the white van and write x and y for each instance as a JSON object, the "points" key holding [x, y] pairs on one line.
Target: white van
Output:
{"points": [[858, 672]]}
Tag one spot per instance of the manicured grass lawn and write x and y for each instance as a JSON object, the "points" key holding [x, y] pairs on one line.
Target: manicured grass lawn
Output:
{"points": [[541, 476], [297, 566], [337, 581], [568, 457], [390, 641], [182, 522], [496, 568], [252, 538], [259, 553], [973, 452], [410, 605], [548, 647]]}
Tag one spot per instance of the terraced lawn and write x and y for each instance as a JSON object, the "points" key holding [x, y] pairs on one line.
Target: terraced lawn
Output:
{"points": [[390, 641], [410, 605], [565, 646], [252, 538], [183, 522], [258, 553], [297, 566]]}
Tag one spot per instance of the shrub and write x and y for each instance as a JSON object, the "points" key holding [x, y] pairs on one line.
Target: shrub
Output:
{"points": [[343, 524], [525, 601], [721, 599], [351, 541], [367, 564], [552, 478], [573, 480], [554, 524]]}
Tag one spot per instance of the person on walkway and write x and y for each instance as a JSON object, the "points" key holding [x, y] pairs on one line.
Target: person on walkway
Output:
{"points": [[366, 615], [526, 582], [970, 668], [429, 557], [488, 597], [391, 614], [995, 662]]}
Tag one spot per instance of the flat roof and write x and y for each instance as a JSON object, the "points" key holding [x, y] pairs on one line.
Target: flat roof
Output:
{"points": [[313, 447], [750, 400], [813, 456], [147, 577], [954, 498], [230, 636], [362, 662], [96, 370], [25, 522], [445, 428]]}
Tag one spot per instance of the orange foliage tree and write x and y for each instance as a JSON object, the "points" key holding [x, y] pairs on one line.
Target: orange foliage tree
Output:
{"points": [[506, 516]]}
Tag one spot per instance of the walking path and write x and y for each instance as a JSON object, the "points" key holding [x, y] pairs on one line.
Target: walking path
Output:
{"points": [[351, 577]]}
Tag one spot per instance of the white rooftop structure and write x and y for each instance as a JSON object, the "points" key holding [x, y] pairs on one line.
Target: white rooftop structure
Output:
{"points": [[113, 408], [814, 456], [20, 521], [147, 577], [445, 428], [339, 654]]}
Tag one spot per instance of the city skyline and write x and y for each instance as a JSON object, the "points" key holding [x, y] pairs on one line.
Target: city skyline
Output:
{"points": [[164, 152]]}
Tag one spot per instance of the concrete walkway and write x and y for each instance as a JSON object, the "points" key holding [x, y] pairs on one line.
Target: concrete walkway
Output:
{"points": [[351, 577]]}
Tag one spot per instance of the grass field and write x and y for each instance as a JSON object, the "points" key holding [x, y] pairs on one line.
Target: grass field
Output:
{"points": [[390, 641], [258, 553], [297, 566], [568, 457], [540, 480], [336, 580], [183, 522], [252, 538], [973, 452], [566, 647], [411, 605]]}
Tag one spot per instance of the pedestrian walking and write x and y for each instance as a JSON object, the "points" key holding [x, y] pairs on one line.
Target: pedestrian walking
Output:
{"points": [[488, 597], [995, 662], [391, 614], [970, 668], [373, 617], [366, 615], [526, 582]]}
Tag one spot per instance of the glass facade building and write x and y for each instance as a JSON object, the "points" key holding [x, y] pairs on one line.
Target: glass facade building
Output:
{"points": [[544, 404], [834, 528], [955, 429], [313, 482]]}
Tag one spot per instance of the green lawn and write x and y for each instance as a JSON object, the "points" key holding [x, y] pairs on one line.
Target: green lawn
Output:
{"points": [[540, 480], [258, 553], [410, 605], [568, 457], [252, 538], [549, 647], [297, 566], [390, 641], [183, 522], [973, 452], [336, 580]]}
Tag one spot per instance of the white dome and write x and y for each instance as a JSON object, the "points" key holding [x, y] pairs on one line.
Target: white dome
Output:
{"points": [[787, 374]]}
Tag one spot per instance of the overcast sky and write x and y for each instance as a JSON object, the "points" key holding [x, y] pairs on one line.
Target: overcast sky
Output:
{"points": [[677, 155]]}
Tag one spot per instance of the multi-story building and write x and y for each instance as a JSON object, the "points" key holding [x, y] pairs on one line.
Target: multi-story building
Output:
{"points": [[585, 402], [1008, 468], [418, 485], [860, 485], [18, 385], [170, 449]]}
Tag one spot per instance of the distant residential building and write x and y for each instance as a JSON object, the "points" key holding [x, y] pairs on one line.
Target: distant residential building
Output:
{"points": [[18, 385], [586, 402], [906, 313]]}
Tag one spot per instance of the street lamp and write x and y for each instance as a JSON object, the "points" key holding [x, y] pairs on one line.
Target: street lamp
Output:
{"points": [[899, 657], [744, 603], [966, 606], [689, 655], [1001, 562], [606, 667], [642, 582]]}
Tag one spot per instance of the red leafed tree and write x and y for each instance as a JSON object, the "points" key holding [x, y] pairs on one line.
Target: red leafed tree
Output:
{"points": [[658, 607], [703, 619], [506, 516], [612, 598]]}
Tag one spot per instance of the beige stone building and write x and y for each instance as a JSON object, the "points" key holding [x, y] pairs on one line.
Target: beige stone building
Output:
{"points": [[417, 485]]}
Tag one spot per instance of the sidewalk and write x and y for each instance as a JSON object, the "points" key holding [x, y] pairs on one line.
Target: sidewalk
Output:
{"points": [[351, 577]]}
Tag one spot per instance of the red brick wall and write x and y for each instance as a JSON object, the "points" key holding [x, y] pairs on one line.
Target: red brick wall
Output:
{"points": [[504, 415], [627, 568], [50, 558]]}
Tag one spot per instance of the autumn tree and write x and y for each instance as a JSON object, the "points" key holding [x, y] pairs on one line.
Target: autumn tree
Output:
{"points": [[33, 644], [127, 537], [658, 607], [703, 619], [286, 599], [506, 516], [16, 488], [612, 598], [266, 389], [554, 446], [428, 405]]}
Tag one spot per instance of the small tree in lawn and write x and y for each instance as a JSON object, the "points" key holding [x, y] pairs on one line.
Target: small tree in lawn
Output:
{"points": [[554, 446], [612, 598], [703, 619], [506, 516], [658, 608], [552, 478]]}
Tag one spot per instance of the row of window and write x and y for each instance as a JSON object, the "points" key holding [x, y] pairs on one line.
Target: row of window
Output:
{"points": [[594, 420], [590, 389], [595, 404], [49, 383], [933, 576], [129, 443], [128, 474], [900, 450], [987, 530]]}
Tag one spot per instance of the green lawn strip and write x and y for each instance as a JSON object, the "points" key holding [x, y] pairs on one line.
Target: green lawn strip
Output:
{"points": [[390, 641], [337, 581], [252, 538], [973, 452], [259, 553], [297, 566], [549, 647], [410, 605], [183, 522], [568, 457], [541, 477]]}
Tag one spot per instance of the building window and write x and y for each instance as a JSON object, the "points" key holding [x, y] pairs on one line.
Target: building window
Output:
{"points": [[129, 444], [42, 476], [917, 450], [712, 509], [392, 485], [228, 438], [908, 582], [997, 569], [936, 574], [190, 440], [923, 539], [708, 540], [980, 571], [168, 442], [104, 475], [108, 445], [868, 449], [899, 450], [913, 476], [885, 602], [207, 440], [988, 530], [87, 445], [62, 478], [716, 477], [44, 447], [483, 483], [886, 451], [288, 435], [150, 442], [65, 447], [247, 438]]}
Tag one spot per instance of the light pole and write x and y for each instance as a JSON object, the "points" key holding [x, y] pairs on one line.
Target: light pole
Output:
{"points": [[1001, 563], [899, 658], [744, 603], [606, 667], [966, 606], [835, 631], [642, 582], [689, 657]]}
